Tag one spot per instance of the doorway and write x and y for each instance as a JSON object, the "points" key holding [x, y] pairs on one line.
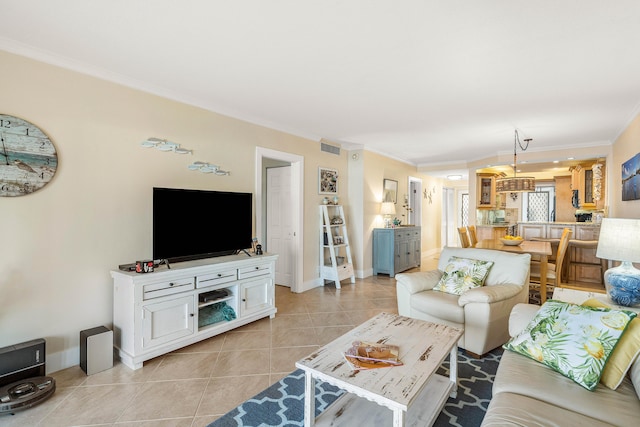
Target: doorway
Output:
{"points": [[414, 201], [278, 219], [289, 268]]}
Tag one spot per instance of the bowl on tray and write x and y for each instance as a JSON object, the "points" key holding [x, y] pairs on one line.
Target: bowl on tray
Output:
{"points": [[511, 242]]}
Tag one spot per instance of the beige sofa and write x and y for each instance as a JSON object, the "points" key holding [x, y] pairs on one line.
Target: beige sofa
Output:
{"points": [[527, 393], [483, 312]]}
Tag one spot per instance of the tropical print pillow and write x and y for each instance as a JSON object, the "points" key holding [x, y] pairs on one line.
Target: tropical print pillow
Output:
{"points": [[462, 274], [573, 340]]}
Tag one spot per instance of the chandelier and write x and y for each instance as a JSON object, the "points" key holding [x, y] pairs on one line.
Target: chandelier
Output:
{"points": [[516, 184]]}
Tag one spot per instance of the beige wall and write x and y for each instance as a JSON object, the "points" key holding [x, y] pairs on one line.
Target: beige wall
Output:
{"points": [[59, 244], [626, 146], [376, 168]]}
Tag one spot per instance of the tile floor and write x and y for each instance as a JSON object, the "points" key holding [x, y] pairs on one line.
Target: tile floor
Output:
{"points": [[193, 386]]}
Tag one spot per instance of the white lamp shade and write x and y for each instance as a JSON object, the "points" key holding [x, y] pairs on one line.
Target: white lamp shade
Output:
{"points": [[388, 208], [619, 240]]}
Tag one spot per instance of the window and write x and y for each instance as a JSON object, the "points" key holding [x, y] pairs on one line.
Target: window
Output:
{"points": [[540, 205], [464, 210]]}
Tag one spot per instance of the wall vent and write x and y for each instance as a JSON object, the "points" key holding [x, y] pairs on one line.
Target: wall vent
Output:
{"points": [[328, 148]]}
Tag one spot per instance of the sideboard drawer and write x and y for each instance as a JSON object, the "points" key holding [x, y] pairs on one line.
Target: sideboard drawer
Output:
{"points": [[257, 270], [157, 290], [216, 278]]}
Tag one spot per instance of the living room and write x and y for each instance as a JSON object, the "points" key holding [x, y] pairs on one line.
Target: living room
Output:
{"points": [[60, 243]]}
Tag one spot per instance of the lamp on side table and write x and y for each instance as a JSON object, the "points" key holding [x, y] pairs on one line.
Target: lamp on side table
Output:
{"points": [[620, 241]]}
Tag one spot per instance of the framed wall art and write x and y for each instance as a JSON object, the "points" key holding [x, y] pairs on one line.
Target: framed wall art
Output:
{"points": [[327, 181], [390, 191], [631, 178]]}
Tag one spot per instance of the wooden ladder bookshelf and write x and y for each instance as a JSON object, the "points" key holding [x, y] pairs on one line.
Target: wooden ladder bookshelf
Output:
{"points": [[335, 252]]}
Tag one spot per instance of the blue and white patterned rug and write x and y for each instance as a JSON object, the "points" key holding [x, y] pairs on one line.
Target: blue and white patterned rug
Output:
{"points": [[282, 404]]}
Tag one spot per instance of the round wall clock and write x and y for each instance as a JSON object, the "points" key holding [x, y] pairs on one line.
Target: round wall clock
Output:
{"points": [[28, 159]]}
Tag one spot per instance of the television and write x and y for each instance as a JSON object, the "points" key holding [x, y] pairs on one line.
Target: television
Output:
{"points": [[195, 224]]}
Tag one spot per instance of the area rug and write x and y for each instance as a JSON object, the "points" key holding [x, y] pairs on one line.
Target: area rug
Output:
{"points": [[534, 293], [282, 404]]}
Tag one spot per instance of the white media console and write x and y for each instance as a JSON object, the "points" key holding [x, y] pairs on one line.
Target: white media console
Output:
{"points": [[155, 313]]}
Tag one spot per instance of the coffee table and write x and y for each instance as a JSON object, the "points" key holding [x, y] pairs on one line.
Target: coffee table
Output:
{"points": [[414, 392]]}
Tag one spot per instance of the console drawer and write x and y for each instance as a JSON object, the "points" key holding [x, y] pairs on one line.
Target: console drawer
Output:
{"points": [[157, 290], [218, 278], [257, 270]]}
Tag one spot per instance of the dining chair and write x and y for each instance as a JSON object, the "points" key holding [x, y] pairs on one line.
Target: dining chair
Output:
{"points": [[473, 237], [464, 237], [554, 270]]}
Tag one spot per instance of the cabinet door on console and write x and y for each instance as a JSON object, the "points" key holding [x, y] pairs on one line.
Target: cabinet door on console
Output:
{"points": [[167, 320], [256, 295]]}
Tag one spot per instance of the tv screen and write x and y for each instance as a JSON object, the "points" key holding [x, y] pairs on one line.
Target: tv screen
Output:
{"points": [[194, 224]]}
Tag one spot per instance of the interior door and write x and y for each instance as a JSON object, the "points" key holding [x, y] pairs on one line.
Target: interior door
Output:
{"points": [[279, 222]]}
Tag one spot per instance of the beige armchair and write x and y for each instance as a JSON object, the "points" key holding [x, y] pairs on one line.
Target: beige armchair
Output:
{"points": [[482, 312]]}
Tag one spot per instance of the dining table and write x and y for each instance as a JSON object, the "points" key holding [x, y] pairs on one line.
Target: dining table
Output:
{"points": [[540, 248]]}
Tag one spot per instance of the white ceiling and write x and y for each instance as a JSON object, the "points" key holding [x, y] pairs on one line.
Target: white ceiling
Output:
{"points": [[425, 81]]}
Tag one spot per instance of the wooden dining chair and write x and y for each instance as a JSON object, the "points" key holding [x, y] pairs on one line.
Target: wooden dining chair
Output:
{"points": [[554, 270], [464, 237], [473, 237]]}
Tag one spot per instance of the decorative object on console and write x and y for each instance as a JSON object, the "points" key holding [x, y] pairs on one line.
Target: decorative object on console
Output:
{"points": [[619, 241], [516, 183], [387, 209], [164, 145], [327, 181], [29, 159], [205, 167]]}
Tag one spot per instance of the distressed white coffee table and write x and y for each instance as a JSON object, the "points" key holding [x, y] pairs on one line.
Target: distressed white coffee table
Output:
{"points": [[414, 392]]}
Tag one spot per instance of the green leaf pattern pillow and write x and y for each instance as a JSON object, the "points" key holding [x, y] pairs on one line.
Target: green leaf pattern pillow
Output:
{"points": [[573, 340], [462, 274]]}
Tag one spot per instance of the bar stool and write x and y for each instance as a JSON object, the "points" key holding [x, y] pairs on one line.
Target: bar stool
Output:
{"points": [[585, 244]]}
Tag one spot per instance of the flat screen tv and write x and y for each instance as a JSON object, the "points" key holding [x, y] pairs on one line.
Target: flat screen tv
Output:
{"points": [[195, 224]]}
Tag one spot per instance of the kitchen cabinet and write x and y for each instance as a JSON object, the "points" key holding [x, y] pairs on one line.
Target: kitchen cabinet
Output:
{"points": [[584, 179], [490, 232], [565, 211], [486, 190], [531, 231], [582, 265], [554, 231]]}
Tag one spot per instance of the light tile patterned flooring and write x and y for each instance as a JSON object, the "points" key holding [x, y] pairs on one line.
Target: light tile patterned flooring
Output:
{"points": [[193, 386]]}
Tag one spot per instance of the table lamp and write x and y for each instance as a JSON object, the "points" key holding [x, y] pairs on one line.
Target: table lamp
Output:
{"points": [[620, 241], [386, 210]]}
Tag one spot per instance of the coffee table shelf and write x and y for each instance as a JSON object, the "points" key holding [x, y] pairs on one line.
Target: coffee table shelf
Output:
{"points": [[350, 410], [386, 396]]}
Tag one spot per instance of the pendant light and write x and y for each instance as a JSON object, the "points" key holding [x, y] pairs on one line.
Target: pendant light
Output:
{"points": [[516, 184]]}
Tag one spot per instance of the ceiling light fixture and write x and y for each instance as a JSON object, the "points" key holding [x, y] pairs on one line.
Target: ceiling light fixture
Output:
{"points": [[516, 184], [454, 177], [164, 145]]}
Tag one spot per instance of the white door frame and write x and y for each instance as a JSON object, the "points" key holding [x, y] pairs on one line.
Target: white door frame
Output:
{"points": [[297, 201]]}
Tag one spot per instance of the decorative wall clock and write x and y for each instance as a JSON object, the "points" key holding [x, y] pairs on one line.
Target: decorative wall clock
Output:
{"points": [[28, 158]]}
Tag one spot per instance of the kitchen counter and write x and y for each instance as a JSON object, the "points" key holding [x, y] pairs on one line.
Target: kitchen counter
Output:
{"points": [[568, 223]]}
